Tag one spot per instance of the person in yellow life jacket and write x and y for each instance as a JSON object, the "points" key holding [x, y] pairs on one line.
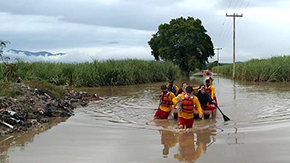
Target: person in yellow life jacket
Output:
{"points": [[186, 103], [187, 150], [166, 103], [172, 87], [210, 89], [180, 91]]}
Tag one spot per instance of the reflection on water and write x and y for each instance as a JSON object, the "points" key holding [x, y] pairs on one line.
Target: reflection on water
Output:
{"points": [[188, 150], [168, 140], [234, 89], [191, 143], [121, 124], [235, 138]]}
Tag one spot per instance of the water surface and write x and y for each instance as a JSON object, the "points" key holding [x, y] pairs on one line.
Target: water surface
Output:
{"points": [[119, 128]]}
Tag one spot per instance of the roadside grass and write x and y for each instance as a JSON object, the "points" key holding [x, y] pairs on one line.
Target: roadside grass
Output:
{"points": [[8, 90], [49, 88], [275, 69], [97, 73]]}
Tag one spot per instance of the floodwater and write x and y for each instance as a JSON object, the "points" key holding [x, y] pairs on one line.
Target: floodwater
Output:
{"points": [[119, 128]]}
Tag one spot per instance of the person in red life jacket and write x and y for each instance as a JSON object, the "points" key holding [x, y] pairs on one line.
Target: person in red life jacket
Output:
{"points": [[188, 151], [205, 100], [210, 79], [210, 90], [180, 91], [164, 109], [186, 103], [172, 87]]}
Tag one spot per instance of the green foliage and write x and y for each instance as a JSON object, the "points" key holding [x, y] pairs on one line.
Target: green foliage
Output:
{"points": [[3, 45], [275, 69], [99, 73], [8, 69], [184, 42], [8, 90], [211, 65]]}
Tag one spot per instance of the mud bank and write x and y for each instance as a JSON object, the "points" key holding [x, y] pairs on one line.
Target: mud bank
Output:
{"points": [[31, 108]]}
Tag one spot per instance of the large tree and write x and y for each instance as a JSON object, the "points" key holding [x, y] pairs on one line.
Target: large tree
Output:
{"points": [[184, 42]]}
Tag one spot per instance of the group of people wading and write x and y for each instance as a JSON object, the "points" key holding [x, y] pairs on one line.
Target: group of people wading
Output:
{"points": [[187, 103]]}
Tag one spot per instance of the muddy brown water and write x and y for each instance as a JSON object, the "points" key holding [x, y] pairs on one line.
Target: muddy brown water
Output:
{"points": [[119, 128]]}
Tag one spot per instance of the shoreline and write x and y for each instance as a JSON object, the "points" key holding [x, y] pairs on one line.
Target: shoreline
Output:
{"points": [[31, 108]]}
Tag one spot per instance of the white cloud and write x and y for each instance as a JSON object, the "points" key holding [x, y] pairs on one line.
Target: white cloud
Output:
{"points": [[122, 28], [87, 55]]}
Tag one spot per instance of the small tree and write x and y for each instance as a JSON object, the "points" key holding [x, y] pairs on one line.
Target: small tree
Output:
{"points": [[184, 42], [2, 45], [9, 69]]}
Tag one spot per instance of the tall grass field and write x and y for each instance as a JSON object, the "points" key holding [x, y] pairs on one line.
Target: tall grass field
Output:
{"points": [[275, 69], [96, 73]]}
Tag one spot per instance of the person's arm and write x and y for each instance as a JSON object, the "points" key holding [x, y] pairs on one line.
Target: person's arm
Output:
{"points": [[174, 100], [212, 91], [176, 88], [195, 88], [171, 97], [198, 107], [209, 99]]}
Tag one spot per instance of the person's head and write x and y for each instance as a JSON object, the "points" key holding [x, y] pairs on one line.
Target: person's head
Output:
{"points": [[164, 88], [170, 83], [189, 90], [202, 88], [184, 85], [207, 82]]}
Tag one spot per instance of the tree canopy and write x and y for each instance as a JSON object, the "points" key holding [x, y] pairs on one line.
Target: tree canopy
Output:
{"points": [[184, 42]]}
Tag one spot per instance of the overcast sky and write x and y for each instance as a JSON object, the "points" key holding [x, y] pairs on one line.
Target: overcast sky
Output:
{"points": [[119, 29]]}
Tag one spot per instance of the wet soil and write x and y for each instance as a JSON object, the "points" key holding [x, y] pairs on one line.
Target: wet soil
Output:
{"points": [[32, 108]]}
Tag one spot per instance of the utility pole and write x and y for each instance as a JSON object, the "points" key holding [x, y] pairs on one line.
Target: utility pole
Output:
{"points": [[234, 26], [218, 49]]}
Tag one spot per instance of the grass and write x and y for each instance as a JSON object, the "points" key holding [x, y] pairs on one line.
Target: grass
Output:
{"points": [[97, 73], [275, 69], [9, 89], [49, 88]]}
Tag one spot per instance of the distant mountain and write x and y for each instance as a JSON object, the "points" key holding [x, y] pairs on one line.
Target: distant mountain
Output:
{"points": [[41, 53]]}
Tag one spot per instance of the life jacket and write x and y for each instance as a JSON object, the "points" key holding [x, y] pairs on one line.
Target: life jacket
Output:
{"points": [[172, 89], [164, 99], [187, 105], [208, 90]]}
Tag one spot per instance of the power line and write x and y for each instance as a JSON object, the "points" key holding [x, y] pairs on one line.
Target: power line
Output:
{"points": [[224, 22]]}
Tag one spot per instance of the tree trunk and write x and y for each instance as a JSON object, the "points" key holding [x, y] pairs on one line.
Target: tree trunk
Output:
{"points": [[187, 73]]}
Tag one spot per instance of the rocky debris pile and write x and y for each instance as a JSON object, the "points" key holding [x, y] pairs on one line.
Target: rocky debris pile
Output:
{"points": [[32, 107]]}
